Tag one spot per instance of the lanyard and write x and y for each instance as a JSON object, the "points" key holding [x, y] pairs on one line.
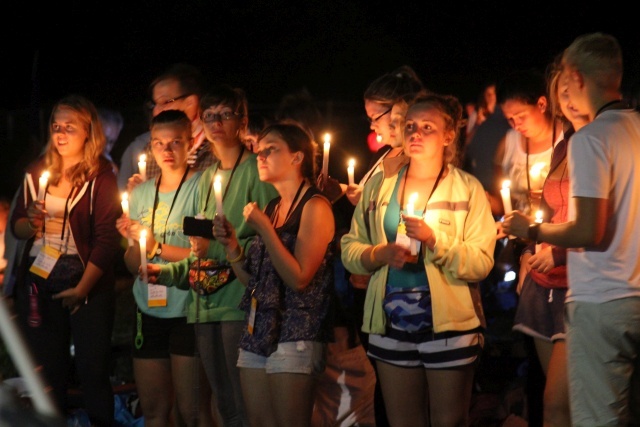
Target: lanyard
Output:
{"points": [[433, 189], [156, 201], [293, 203], [226, 188], [607, 105]]}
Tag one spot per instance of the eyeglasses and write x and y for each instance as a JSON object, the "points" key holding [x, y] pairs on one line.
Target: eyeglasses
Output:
{"points": [[209, 117], [152, 104], [264, 153], [161, 146], [378, 117]]}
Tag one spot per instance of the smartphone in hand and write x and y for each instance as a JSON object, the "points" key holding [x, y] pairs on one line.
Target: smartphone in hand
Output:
{"points": [[192, 226]]}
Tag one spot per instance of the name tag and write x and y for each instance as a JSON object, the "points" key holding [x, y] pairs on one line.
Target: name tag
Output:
{"points": [[45, 261]]}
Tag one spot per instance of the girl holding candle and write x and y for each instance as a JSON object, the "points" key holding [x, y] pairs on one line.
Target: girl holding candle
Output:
{"points": [[543, 273], [218, 320], [289, 276], [424, 318], [524, 102], [385, 110], [164, 342], [73, 226]]}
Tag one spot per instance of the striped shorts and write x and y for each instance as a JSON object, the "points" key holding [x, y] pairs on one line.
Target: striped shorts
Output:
{"points": [[427, 349]]}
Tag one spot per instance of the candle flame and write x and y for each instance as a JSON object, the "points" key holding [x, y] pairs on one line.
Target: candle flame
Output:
{"points": [[379, 138], [45, 175], [413, 198], [536, 169], [143, 158], [143, 235], [539, 216], [217, 179], [506, 184], [125, 196], [352, 163], [327, 138]]}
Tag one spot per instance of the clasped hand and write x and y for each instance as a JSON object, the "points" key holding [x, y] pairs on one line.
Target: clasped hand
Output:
{"points": [[516, 224]]}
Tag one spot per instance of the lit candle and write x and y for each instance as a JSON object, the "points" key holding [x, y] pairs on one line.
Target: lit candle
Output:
{"points": [[535, 175], [411, 204], [143, 255], [142, 166], [413, 246], [506, 196], [217, 190], [325, 155], [539, 217], [42, 184], [539, 221], [125, 210], [350, 170], [379, 138]]}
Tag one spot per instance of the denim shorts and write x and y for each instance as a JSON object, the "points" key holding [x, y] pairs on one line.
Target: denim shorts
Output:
{"points": [[300, 357], [540, 311]]}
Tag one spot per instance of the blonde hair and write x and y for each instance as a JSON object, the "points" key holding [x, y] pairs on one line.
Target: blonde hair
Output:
{"points": [[451, 109], [88, 118], [598, 56]]}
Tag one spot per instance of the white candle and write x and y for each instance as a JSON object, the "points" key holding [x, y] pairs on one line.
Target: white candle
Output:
{"points": [[505, 192], [217, 190], [143, 255], [411, 204], [142, 166], [42, 184], [411, 212], [325, 155], [350, 171], [539, 221], [125, 210]]}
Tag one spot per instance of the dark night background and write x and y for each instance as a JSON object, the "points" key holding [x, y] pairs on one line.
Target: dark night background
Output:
{"points": [[112, 50]]}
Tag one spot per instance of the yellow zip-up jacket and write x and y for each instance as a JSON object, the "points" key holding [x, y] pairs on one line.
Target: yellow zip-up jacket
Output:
{"points": [[465, 232]]}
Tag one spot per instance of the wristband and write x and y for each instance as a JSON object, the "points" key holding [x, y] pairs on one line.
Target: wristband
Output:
{"points": [[153, 251], [238, 258], [532, 232]]}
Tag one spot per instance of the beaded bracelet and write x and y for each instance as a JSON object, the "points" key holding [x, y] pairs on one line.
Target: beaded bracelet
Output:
{"points": [[238, 258]]}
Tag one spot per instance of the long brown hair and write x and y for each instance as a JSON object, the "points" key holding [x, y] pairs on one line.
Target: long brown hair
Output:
{"points": [[87, 115]]}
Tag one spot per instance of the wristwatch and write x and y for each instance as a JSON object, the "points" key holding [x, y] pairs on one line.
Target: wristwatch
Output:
{"points": [[159, 249], [532, 232]]}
